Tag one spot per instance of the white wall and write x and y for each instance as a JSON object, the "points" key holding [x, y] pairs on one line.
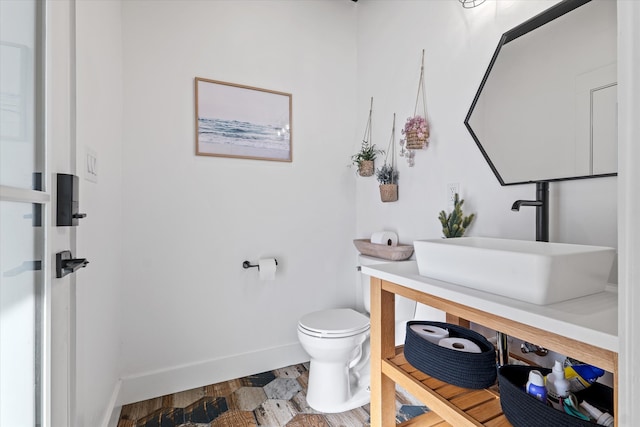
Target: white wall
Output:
{"points": [[99, 103], [458, 46], [191, 315]]}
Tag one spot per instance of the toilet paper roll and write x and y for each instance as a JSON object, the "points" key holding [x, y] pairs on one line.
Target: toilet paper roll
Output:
{"points": [[460, 344], [388, 238], [267, 267], [430, 333]]}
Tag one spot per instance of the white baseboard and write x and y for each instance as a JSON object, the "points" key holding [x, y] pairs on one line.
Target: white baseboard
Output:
{"points": [[172, 380], [112, 413]]}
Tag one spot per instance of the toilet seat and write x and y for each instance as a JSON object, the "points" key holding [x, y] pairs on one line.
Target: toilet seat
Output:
{"points": [[334, 323]]}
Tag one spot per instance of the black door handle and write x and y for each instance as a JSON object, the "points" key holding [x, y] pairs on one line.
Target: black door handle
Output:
{"points": [[66, 264]]}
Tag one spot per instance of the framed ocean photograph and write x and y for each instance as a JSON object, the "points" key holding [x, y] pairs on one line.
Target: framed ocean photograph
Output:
{"points": [[233, 120]]}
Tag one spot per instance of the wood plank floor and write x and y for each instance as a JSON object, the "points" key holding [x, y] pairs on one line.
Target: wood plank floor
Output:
{"points": [[270, 399]]}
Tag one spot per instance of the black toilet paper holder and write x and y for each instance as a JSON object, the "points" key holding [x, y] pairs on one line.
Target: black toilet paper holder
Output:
{"points": [[247, 264]]}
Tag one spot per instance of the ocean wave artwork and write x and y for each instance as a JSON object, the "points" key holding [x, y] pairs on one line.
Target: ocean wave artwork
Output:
{"points": [[241, 137]]}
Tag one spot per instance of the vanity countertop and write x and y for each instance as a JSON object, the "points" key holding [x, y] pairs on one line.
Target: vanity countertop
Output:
{"points": [[592, 319]]}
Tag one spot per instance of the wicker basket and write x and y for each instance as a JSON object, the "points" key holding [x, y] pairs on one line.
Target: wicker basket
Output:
{"points": [[414, 142], [365, 168], [389, 192]]}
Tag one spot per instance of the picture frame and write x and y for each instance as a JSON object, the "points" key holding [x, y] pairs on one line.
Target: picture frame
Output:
{"points": [[233, 120]]}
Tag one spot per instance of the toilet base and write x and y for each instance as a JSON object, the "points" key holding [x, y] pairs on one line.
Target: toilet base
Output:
{"points": [[358, 389]]}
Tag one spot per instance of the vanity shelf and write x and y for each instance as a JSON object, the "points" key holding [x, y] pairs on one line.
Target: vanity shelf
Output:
{"points": [[461, 406], [455, 406]]}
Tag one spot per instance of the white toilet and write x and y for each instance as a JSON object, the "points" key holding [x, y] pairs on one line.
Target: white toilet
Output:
{"points": [[337, 340]]}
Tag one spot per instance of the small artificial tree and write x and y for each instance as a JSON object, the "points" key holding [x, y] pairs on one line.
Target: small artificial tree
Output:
{"points": [[455, 224]]}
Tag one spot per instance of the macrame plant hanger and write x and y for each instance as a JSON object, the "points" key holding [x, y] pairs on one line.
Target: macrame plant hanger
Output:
{"points": [[391, 150], [366, 138], [389, 191], [417, 128], [366, 164]]}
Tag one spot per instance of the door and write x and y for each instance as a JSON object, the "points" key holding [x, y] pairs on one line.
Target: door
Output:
{"points": [[36, 310], [23, 216]]}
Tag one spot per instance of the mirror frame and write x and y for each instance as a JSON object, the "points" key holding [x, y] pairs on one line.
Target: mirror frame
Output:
{"points": [[531, 24]]}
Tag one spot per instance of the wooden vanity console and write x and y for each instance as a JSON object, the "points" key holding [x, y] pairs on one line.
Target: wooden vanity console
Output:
{"points": [[583, 328]]}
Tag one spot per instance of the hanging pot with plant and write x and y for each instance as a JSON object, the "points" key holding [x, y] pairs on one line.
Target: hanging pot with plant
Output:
{"points": [[416, 128], [365, 158], [387, 175]]}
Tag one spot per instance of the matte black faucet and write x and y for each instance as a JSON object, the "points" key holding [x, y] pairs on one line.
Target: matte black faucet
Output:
{"points": [[542, 210], [542, 235]]}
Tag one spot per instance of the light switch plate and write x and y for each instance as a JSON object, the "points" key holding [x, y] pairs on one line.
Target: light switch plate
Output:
{"points": [[91, 165], [452, 189]]}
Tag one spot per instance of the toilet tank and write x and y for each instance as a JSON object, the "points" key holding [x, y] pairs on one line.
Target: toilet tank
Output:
{"points": [[405, 308]]}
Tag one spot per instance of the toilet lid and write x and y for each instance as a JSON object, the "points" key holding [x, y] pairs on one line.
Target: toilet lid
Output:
{"points": [[334, 323]]}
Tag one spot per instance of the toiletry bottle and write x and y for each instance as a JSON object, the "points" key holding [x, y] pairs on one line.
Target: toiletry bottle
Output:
{"points": [[557, 386], [535, 386], [581, 376], [602, 418]]}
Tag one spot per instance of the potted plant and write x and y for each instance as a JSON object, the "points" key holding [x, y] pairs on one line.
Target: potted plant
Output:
{"points": [[364, 158], [416, 132], [416, 128], [387, 176], [455, 224]]}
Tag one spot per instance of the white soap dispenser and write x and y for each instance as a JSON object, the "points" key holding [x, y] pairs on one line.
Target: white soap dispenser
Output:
{"points": [[558, 387]]}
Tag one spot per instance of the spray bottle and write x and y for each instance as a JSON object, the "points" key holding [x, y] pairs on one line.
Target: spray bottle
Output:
{"points": [[557, 386]]}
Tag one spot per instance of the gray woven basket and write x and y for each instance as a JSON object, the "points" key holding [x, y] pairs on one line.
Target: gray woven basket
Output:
{"points": [[468, 370]]}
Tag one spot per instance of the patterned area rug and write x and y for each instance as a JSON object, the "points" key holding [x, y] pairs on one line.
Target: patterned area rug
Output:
{"points": [[270, 399]]}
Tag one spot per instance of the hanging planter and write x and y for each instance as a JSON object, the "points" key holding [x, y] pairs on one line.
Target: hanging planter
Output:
{"points": [[365, 158], [387, 175], [416, 129], [389, 192], [417, 132], [366, 167]]}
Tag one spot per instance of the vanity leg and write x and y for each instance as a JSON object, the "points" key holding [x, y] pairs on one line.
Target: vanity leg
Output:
{"points": [[383, 390], [456, 320], [503, 348]]}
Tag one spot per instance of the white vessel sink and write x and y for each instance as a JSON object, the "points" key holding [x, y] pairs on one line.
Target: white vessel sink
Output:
{"points": [[536, 272]]}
